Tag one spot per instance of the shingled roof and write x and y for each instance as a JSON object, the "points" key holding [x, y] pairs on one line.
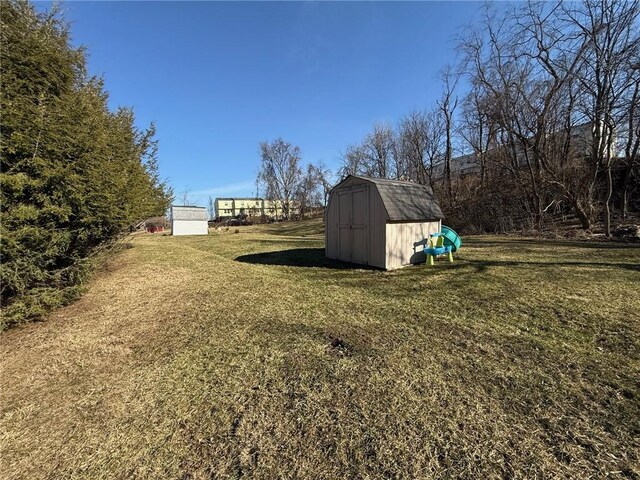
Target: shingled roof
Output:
{"points": [[406, 201], [189, 212]]}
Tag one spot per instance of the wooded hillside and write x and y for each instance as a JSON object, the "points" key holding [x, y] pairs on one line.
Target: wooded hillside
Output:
{"points": [[537, 120], [75, 175]]}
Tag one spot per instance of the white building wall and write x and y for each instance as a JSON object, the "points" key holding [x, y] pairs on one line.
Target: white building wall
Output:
{"points": [[189, 227]]}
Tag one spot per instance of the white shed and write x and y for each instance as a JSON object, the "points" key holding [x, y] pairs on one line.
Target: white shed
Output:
{"points": [[379, 222], [189, 220]]}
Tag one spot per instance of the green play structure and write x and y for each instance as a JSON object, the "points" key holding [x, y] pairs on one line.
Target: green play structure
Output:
{"points": [[446, 241]]}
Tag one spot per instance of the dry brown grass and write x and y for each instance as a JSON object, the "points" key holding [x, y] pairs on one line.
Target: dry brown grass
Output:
{"points": [[204, 357]]}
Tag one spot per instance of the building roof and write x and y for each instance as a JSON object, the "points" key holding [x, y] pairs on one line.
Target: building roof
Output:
{"points": [[406, 201], [238, 198], [189, 212]]}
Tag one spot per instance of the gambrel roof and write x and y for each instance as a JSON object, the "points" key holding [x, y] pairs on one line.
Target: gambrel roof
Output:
{"points": [[189, 213], [405, 201]]}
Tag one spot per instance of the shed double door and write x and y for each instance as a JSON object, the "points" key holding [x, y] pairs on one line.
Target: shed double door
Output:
{"points": [[353, 225]]}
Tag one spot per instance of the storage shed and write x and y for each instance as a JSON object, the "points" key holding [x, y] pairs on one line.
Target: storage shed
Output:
{"points": [[379, 222], [189, 220]]}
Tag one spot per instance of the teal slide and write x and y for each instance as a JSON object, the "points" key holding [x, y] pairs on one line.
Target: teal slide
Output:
{"points": [[451, 238]]}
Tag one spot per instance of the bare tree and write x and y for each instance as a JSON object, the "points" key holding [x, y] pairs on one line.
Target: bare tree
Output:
{"points": [[379, 150], [211, 209], [478, 130], [632, 143], [376, 156], [609, 29], [310, 192], [280, 172], [525, 68], [447, 106], [420, 144], [353, 161], [494, 73], [184, 197], [324, 177]]}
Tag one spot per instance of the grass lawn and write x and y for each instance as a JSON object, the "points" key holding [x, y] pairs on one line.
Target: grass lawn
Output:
{"points": [[213, 357]]}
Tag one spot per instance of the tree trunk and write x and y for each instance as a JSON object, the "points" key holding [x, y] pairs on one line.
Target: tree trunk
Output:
{"points": [[625, 190], [585, 222], [448, 155], [482, 177], [607, 202]]}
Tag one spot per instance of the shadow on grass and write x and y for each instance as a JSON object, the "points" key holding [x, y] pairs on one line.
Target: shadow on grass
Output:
{"points": [[542, 243], [300, 257], [483, 265], [279, 241]]}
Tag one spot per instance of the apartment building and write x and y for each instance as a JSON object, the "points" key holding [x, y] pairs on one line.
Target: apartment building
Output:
{"points": [[581, 139], [249, 206]]}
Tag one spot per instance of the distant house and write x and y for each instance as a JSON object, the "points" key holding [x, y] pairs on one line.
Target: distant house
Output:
{"points": [[233, 207], [189, 220], [151, 225], [251, 207], [379, 222], [155, 224]]}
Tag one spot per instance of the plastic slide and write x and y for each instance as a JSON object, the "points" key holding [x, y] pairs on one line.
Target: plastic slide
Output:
{"points": [[451, 238], [447, 241]]}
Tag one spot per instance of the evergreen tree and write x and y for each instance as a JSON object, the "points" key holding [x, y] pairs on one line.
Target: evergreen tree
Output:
{"points": [[73, 175]]}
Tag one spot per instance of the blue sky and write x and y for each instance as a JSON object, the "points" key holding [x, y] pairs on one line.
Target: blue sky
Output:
{"points": [[218, 78]]}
